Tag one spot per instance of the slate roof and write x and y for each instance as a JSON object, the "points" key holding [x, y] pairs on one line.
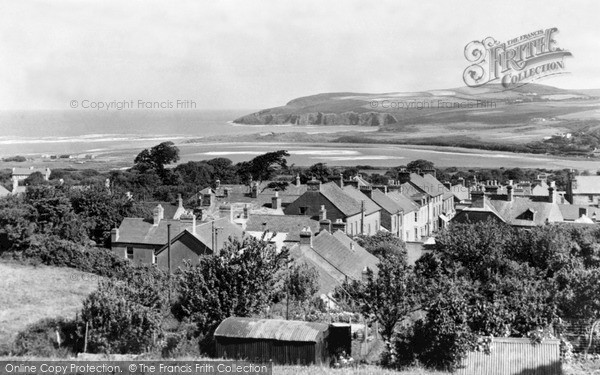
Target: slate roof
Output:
{"points": [[350, 262], [354, 193], [460, 191], [436, 184], [142, 231], [430, 185], [204, 233], [511, 211], [570, 212], [390, 205], [4, 192], [20, 171], [170, 209], [271, 329], [291, 224], [587, 185], [344, 202], [406, 203]]}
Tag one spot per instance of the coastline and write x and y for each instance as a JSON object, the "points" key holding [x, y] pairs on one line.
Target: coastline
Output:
{"points": [[308, 149]]}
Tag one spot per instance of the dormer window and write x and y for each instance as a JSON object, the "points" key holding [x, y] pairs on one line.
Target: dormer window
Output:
{"points": [[529, 214]]}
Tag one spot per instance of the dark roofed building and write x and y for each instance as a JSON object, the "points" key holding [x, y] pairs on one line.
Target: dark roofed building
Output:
{"points": [[330, 202], [273, 340], [195, 242], [281, 229], [336, 257]]}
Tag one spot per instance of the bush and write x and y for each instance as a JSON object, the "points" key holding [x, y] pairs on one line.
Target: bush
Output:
{"points": [[54, 251], [16, 159], [40, 339]]}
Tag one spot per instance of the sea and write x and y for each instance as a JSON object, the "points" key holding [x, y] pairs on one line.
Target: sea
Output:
{"points": [[125, 133]]}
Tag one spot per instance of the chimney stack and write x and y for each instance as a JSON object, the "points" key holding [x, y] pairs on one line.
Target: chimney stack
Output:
{"points": [[114, 235], [179, 201], [338, 225], [551, 194], [325, 224], [478, 198], [322, 213], [226, 211], [341, 180], [158, 214], [306, 236], [297, 179], [367, 190], [509, 192], [276, 201], [313, 185]]}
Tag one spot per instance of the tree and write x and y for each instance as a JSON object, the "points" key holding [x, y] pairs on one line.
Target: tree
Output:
{"points": [[196, 173], [320, 172], [36, 178], [419, 164], [237, 282], [124, 316], [388, 297], [157, 158], [223, 170], [382, 244], [302, 282], [263, 167]]}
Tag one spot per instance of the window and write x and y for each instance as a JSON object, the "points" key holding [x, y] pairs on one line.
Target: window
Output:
{"points": [[591, 198], [416, 217], [129, 253], [302, 210]]}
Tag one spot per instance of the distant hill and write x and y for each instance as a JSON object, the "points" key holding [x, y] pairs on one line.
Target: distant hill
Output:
{"points": [[489, 104]]}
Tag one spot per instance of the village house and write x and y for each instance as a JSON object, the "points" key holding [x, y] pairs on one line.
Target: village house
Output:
{"points": [[280, 230], [521, 212], [573, 213], [193, 243], [20, 174], [392, 214], [141, 240], [414, 219], [336, 257], [583, 190], [349, 206]]}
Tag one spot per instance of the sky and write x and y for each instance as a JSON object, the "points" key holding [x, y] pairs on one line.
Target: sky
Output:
{"points": [[240, 54]]}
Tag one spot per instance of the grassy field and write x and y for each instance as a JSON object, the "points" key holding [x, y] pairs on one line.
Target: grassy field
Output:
{"points": [[30, 293]]}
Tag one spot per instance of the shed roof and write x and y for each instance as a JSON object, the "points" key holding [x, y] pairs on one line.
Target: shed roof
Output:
{"points": [[270, 329]]}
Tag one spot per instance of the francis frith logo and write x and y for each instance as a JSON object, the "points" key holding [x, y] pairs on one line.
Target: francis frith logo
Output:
{"points": [[516, 62]]}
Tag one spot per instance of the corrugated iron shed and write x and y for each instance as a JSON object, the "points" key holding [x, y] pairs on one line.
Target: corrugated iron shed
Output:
{"points": [[271, 329]]}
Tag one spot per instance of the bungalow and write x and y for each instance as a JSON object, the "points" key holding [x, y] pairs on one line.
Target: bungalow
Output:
{"points": [[19, 174]]}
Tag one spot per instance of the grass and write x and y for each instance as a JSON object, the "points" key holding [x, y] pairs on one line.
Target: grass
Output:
{"points": [[30, 293]]}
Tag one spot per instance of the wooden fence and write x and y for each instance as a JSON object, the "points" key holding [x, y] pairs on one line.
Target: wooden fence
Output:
{"points": [[515, 356]]}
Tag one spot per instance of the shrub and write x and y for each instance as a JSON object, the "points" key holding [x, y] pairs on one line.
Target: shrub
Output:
{"points": [[40, 339]]}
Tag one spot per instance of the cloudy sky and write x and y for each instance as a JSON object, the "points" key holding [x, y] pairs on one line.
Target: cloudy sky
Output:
{"points": [[251, 55]]}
